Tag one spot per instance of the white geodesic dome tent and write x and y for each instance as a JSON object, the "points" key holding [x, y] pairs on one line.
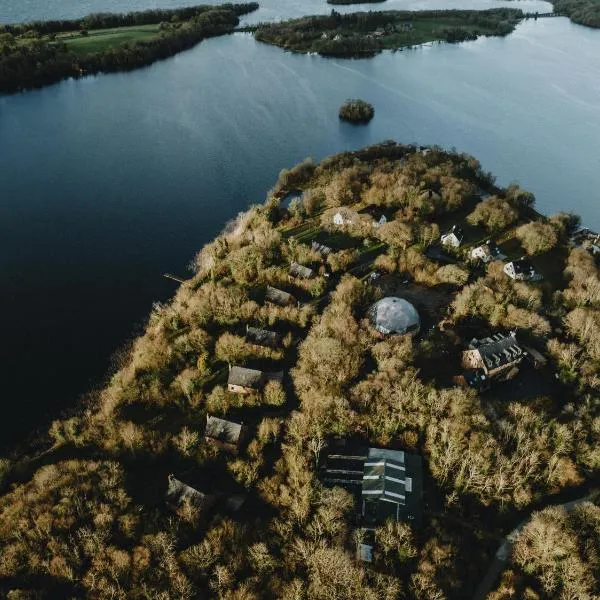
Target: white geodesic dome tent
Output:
{"points": [[394, 315]]}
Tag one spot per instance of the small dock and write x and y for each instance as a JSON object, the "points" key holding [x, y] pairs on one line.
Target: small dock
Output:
{"points": [[173, 277]]}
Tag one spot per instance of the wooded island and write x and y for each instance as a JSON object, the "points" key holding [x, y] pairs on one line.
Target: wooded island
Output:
{"points": [[364, 34], [356, 111], [357, 394]]}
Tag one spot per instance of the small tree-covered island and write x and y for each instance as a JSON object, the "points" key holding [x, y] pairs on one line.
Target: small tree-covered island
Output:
{"points": [[369, 381], [356, 111], [364, 34], [40, 53]]}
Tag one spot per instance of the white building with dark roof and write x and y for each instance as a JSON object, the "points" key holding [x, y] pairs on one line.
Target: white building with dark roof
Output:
{"points": [[454, 238], [487, 252], [522, 270], [377, 214]]}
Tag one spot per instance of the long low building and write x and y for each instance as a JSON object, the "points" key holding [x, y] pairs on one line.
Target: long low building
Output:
{"points": [[279, 297], [244, 381], [263, 337], [390, 483]]}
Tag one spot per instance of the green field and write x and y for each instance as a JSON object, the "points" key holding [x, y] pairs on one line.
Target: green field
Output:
{"points": [[100, 40]]}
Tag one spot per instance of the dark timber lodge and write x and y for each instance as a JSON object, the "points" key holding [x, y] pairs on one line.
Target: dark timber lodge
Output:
{"points": [[387, 483]]}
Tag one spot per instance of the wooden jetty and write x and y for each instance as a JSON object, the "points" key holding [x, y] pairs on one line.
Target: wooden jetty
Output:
{"points": [[173, 277]]}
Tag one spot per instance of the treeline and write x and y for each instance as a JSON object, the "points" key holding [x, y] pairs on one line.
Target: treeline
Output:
{"points": [[584, 12], [366, 33], [108, 20], [34, 62]]}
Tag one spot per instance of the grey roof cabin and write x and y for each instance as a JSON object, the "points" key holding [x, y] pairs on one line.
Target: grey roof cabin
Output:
{"points": [[298, 270], [242, 379], [263, 337], [179, 493], [320, 248], [279, 297], [454, 237], [224, 433]]}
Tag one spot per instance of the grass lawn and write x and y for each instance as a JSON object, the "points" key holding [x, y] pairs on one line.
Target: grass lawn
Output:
{"points": [[101, 39], [430, 30]]}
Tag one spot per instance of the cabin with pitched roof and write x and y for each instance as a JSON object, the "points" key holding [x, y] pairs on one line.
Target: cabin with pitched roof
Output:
{"points": [[487, 252], [300, 271], [587, 239], [322, 249], [224, 434], [263, 337], [245, 381], [344, 216], [179, 493], [279, 297], [522, 270]]}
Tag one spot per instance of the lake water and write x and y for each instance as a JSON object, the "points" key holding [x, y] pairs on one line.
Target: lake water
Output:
{"points": [[110, 181], [15, 11]]}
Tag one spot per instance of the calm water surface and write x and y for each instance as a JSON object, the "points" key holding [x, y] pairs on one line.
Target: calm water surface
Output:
{"points": [[14, 11], [108, 182]]}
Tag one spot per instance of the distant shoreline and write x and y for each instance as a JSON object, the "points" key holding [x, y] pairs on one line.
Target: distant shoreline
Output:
{"points": [[365, 34]]}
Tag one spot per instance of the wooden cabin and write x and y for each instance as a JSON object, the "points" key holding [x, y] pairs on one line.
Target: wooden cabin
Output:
{"points": [[279, 297], [224, 434], [245, 381]]}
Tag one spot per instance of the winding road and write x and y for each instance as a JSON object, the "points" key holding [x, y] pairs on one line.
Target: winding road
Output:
{"points": [[504, 552]]}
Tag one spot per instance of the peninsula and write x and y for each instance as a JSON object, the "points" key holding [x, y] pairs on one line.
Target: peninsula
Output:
{"points": [[41, 53], [358, 394], [364, 34]]}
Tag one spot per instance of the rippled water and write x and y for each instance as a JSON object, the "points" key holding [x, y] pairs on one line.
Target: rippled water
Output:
{"points": [[108, 182]]}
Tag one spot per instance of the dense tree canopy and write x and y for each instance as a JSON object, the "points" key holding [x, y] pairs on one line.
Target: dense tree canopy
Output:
{"points": [[87, 516]]}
